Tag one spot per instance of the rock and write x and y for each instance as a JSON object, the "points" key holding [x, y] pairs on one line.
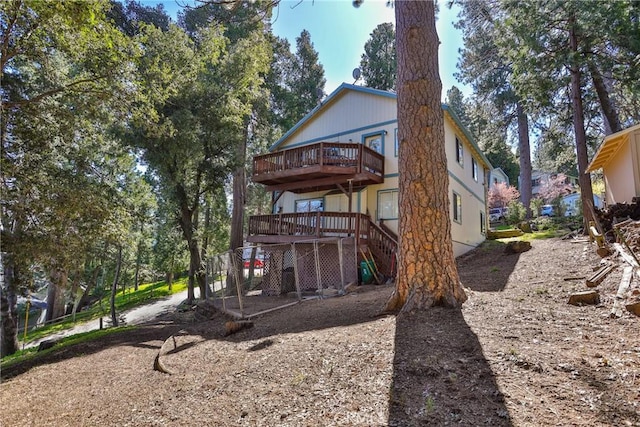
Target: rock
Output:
{"points": [[634, 308], [47, 344], [525, 226], [517, 247]]}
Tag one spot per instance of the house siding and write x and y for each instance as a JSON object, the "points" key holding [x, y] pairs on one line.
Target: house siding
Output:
{"points": [[352, 116], [619, 176]]}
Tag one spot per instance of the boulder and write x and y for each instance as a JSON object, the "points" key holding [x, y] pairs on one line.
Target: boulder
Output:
{"points": [[517, 246]]}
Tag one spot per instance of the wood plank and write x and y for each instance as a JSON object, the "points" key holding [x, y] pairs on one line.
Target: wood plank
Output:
{"points": [[599, 276], [625, 283]]}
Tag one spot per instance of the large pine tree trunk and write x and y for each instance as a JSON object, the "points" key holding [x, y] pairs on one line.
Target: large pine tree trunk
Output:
{"points": [[584, 178], [525, 158], [609, 112], [427, 274]]}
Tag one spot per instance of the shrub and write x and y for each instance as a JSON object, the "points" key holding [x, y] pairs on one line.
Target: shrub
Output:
{"points": [[517, 212]]}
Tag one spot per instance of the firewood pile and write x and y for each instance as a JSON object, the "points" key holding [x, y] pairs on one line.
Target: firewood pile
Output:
{"points": [[629, 234], [624, 253], [615, 214]]}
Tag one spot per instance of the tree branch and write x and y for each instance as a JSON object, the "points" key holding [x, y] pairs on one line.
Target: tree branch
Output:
{"points": [[40, 97]]}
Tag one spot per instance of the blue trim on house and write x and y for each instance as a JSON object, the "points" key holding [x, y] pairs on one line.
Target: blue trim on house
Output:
{"points": [[459, 181], [346, 132]]}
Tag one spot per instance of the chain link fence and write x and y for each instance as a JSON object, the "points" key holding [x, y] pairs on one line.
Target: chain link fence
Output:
{"points": [[256, 279]]}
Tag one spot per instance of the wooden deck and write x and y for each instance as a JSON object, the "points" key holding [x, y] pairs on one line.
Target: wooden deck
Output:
{"points": [[300, 226], [318, 166]]}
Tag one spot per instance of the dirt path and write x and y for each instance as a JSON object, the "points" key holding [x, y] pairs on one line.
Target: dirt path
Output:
{"points": [[136, 316], [516, 355]]}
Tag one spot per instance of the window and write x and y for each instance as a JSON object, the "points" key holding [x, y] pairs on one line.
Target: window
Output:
{"points": [[459, 152], [457, 207], [395, 143], [388, 204], [310, 205], [474, 169], [482, 223], [375, 141]]}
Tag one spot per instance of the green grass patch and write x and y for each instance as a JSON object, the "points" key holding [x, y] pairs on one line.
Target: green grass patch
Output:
{"points": [[128, 299], [32, 353]]}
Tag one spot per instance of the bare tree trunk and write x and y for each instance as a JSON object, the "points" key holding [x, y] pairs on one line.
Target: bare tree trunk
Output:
{"points": [[188, 224], [114, 288], [138, 256], [525, 158], [55, 294], [90, 286], [609, 112], [239, 202], [584, 178], [427, 274], [8, 307]]}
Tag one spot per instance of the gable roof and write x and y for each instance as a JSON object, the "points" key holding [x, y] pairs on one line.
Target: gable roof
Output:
{"points": [[610, 145], [346, 87]]}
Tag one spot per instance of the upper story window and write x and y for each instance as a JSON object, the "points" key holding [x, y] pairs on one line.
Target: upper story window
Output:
{"points": [[459, 152], [474, 169], [375, 141]]}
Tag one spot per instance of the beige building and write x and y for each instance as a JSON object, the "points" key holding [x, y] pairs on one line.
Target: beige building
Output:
{"points": [[339, 167], [619, 158]]}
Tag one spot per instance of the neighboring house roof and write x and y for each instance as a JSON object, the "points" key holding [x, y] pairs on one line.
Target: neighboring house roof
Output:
{"points": [[344, 87], [610, 145], [501, 172]]}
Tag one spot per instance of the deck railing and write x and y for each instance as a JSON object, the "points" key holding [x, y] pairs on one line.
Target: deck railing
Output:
{"points": [[325, 224], [347, 155]]}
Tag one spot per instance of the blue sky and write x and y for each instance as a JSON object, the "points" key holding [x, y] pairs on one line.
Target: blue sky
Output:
{"points": [[339, 31]]}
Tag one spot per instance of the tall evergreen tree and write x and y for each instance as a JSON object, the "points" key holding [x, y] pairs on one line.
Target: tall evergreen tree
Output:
{"points": [[487, 69], [378, 62]]}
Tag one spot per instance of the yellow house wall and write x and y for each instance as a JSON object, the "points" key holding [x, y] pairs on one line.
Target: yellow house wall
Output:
{"points": [[357, 114], [620, 181]]}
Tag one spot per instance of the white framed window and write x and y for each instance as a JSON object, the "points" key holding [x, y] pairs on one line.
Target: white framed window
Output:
{"points": [[375, 141], [474, 169], [457, 207], [482, 223], [388, 204], [309, 205], [459, 152], [396, 145]]}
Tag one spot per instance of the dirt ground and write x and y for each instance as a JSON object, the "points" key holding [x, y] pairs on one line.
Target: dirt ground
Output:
{"points": [[516, 355]]}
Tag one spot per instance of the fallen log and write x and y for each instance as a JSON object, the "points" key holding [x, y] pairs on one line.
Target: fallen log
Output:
{"points": [[586, 297]]}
